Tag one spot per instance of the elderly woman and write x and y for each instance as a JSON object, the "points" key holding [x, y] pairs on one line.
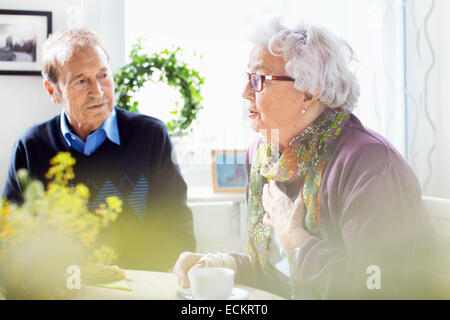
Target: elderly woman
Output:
{"points": [[333, 209]]}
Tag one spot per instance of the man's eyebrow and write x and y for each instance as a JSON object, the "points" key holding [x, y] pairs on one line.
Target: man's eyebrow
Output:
{"points": [[76, 77], [103, 69]]}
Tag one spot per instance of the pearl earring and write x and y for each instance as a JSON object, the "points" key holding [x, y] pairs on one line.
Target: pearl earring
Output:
{"points": [[303, 110]]}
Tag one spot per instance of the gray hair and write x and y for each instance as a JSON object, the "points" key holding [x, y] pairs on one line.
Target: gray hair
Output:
{"points": [[318, 60], [60, 46]]}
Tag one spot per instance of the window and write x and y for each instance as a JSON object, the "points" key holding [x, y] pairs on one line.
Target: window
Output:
{"points": [[218, 30]]}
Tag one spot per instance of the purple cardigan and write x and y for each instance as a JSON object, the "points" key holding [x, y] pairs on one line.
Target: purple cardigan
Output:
{"points": [[371, 214]]}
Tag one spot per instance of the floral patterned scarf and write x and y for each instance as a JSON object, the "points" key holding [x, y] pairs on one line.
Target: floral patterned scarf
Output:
{"points": [[305, 157]]}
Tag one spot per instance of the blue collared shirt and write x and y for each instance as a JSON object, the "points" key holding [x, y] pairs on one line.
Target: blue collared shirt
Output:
{"points": [[109, 129]]}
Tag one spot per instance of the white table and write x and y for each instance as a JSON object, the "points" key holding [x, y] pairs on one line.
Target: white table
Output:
{"points": [[149, 285]]}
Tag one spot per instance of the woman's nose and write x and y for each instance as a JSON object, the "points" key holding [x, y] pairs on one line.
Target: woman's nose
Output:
{"points": [[248, 93]]}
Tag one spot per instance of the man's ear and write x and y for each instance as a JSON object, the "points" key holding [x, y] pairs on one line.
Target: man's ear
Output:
{"points": [[51, 91]]}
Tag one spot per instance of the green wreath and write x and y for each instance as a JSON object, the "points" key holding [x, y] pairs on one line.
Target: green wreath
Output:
{"points": [[131, 77]]}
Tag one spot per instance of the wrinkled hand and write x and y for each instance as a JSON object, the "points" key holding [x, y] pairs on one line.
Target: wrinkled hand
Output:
{"points": [[284, 216], [186, 262]]}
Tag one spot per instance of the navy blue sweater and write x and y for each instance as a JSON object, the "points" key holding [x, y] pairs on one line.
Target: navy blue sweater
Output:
{"points": [[156, 225]]}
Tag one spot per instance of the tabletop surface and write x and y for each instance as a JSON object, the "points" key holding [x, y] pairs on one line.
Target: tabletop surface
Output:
{"points": [[150, 285]]}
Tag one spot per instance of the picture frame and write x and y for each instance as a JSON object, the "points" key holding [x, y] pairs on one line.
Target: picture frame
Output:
{"points": [[22, 34], [228, 171]]}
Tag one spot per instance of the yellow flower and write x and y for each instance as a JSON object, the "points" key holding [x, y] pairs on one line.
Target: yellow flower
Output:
{"points": [[104, 255], [60, 207], [114, 203], [82, 191], [61, 171], [64, 159]]}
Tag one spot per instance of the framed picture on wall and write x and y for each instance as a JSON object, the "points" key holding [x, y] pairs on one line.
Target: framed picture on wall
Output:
{"points": [[228, 171], [22, 34]]}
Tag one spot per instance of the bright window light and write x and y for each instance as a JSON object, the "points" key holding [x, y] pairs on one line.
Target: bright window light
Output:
{"points": [[219, 30]]}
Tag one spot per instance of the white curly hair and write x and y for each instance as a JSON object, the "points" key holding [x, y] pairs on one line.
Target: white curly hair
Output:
{"points": [[319, 61]]}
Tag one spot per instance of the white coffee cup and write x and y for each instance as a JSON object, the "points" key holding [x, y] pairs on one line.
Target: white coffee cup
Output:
{"points": [[211, 283]]}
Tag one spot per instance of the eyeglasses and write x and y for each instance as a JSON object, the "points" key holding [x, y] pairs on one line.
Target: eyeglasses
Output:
{"points": [[257, 80]]}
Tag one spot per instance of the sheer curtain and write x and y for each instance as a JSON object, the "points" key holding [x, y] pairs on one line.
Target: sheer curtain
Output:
{"points": [[402, 65], [421, 94], [380, 31]]}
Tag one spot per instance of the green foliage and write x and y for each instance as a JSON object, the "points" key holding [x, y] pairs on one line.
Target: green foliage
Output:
{"points": [[131, 77]]}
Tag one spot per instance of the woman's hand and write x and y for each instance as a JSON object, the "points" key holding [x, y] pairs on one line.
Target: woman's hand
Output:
{"points": [[186, 262], [285, 217]]}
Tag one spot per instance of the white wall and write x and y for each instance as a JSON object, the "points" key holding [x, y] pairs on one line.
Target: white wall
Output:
{"points": [[23, 100]]}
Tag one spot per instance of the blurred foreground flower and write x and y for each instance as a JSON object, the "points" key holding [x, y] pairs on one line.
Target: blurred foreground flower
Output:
{"points": [[51, 230]]}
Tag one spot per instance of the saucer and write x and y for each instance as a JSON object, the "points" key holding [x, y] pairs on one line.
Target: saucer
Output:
{"points": [[236, 294]]}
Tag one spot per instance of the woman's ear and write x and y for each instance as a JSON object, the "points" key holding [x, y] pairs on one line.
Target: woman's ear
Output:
{"points": [[308, 101], [307, 96], [51, 90]]}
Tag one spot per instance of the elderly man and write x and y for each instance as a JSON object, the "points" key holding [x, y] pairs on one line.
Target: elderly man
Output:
{"points": [[117, 153]]}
